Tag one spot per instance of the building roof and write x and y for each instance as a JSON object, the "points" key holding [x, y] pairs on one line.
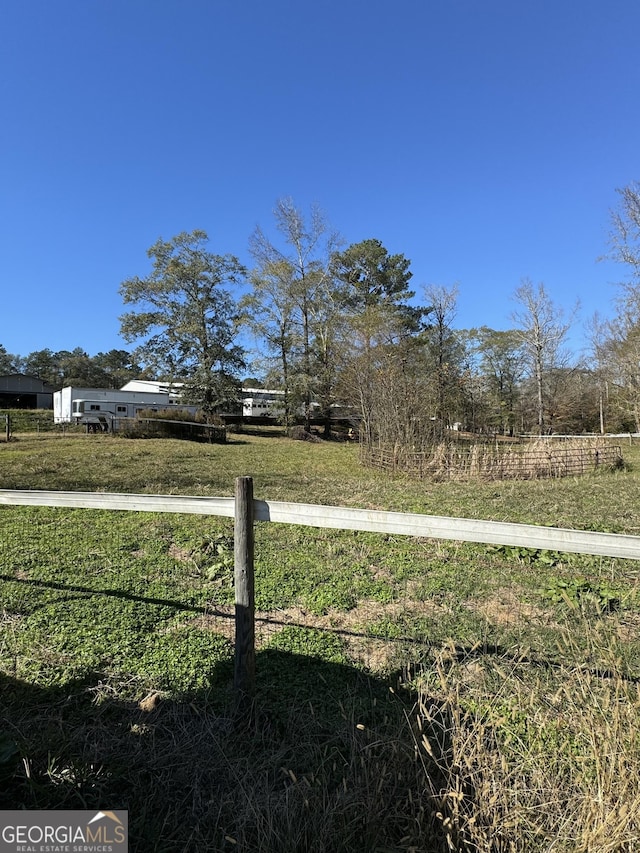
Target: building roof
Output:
{"points": [[24, 382]]}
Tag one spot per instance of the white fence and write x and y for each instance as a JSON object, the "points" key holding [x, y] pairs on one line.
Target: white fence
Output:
{"points": [[347, 518]]}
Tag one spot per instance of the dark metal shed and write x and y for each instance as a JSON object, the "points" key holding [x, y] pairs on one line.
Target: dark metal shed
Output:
{"points": [[19, 391]]}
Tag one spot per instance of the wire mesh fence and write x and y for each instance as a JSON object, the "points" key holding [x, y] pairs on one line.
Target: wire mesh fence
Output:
{"points": [[457, 461], [38, 421]]}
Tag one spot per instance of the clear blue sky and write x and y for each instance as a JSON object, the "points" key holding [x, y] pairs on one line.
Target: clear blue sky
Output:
{"points": [[484, 140]]}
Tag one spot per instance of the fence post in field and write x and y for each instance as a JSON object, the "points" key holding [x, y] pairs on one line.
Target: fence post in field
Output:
{"points": [[8, 428], [245, 654]]}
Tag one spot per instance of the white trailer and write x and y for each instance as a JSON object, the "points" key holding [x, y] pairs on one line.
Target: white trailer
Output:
{"points": [[262, 403], [267, 403], [98, 407]]}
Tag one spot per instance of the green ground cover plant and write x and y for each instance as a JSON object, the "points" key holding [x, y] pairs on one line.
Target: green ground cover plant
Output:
{"points": [[411, 694]]}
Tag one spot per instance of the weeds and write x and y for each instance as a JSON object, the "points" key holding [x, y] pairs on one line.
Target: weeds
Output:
{"points": [[580, 592], [542, 763]]}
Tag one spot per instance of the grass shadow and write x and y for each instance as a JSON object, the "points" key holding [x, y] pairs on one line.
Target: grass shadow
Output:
{"points": [[325, 763], [76, 590]]}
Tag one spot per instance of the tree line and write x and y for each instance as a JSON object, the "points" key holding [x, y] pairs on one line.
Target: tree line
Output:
{"points": [[339, 328], [110, 369]]}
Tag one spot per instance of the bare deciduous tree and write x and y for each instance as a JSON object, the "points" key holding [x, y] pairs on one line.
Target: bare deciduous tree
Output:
{"points": [[624, 240], [444, 349], [543, 330], [291, 284], [616, 342]]}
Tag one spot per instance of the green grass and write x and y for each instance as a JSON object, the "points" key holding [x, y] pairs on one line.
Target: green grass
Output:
{"points": [[326, 473], [393, 674]]}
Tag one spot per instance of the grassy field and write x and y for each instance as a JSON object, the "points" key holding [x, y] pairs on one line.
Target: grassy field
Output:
{"points": [[412, 694]]}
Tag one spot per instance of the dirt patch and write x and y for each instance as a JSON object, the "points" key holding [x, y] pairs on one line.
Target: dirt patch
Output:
{"points": [[181, 555], [375, 652], [506, 608], [629, 627]]}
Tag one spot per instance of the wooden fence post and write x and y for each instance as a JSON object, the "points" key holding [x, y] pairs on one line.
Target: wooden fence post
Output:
{"points": [[245, 653], [8, 434]]}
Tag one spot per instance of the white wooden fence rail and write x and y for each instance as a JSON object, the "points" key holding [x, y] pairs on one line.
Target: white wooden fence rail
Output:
{"points": [[346, 518]]}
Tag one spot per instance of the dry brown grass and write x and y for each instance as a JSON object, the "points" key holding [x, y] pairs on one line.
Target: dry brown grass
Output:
{"points": [[542, 762]]}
